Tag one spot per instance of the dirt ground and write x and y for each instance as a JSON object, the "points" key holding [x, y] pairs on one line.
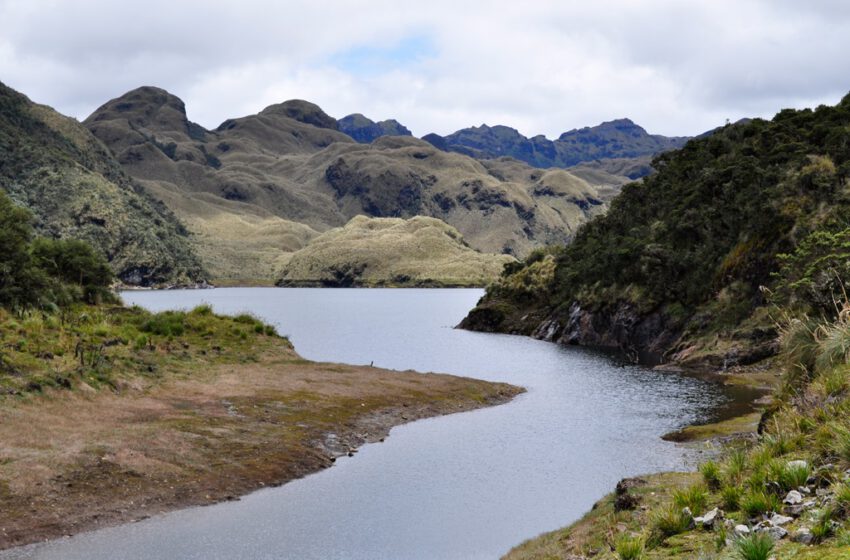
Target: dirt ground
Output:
{"points": [[76, 461]]}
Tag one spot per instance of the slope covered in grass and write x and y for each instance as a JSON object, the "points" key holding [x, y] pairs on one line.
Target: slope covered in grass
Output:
{"points": [[391, 252], [53, 166]]}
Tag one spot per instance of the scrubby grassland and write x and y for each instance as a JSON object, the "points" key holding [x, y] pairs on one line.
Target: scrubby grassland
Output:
{"points": [[391, 252], [804, 447], [679, 265]]}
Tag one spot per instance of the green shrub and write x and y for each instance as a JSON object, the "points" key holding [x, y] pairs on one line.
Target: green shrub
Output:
{"points": [[710, 471], [757, 546], [822, 528], [756, 503], [203, 310], [794, 476], [166, 323], [667, 522], [731, 496], [735, 466], [842, 497], [629, 547], [694, 497]]}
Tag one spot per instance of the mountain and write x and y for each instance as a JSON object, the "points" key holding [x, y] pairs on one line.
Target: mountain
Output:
{"points": [[262, 186], [689, 262], [74, 187], [365, 130], [419, 251], [616, 139]]}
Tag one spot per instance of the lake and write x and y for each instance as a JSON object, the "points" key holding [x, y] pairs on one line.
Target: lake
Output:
{"points": [[464, 486]]}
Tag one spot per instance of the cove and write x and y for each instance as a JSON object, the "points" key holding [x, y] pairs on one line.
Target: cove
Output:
{"points": [[464, 486]]}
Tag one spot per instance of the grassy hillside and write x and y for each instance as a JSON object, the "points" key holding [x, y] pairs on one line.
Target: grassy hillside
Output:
{"points": [[287, 173], [686, 261], [391, 252], [53, 166]]}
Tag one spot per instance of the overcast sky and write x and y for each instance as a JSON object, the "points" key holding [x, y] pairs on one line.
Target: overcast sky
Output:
{"points": [[676, 67]]}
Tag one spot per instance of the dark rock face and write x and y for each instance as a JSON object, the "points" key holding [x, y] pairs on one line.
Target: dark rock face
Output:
{"points": [[644, 338], [365, 130], [620, 138]]}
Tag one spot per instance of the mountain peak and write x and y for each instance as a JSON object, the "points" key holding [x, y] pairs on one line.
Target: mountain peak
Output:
{"points": [[302, 111]]}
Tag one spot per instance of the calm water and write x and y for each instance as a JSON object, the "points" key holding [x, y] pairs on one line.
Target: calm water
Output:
{"points": [[465, 486]]}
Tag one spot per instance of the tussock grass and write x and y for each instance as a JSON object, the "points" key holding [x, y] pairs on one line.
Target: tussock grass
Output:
{"points": [[757, 546], [630, 547]]}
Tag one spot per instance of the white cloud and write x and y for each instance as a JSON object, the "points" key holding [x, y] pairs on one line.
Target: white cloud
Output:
{"points": [[674, 66]]}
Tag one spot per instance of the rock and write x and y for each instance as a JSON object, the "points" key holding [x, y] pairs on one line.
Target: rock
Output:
{"points": [[625, 502], [803, 535], [793, 498], [686, 511], [777, 533], [709, 518], [778, 520], [741, 530]]}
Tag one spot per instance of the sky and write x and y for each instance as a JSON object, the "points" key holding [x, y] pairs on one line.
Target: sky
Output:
{"points": [[676, 67]]}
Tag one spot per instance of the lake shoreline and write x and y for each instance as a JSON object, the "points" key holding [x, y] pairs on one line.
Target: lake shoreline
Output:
{"points": [[207, 438]]}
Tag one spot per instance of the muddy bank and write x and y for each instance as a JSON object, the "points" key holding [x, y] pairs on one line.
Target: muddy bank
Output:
{"points": [[77, 461]]}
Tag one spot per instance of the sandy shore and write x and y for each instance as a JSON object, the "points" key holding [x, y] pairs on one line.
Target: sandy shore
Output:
{"points": [[77, 461]]}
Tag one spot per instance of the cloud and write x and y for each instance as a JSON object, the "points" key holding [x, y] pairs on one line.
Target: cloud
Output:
{"points": [[675, 67]]}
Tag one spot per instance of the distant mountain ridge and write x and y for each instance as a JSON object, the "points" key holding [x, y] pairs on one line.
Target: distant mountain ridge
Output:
{"points": [[616, 139], [615, 146]]}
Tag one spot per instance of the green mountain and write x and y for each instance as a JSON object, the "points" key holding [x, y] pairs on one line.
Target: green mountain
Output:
{"points": [[54, 167], [260, 187], [616, 139], [689, 262], [365, 130]]}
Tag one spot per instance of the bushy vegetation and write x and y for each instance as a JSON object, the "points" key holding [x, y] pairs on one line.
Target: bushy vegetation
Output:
{"points": [[755, 547], [46, 273], [758, 205]]}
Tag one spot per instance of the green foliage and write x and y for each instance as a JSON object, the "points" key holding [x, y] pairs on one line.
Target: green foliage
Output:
{"points": [[46, 273], [757, 546], [761, 204], [629, 547], [167, 323]]}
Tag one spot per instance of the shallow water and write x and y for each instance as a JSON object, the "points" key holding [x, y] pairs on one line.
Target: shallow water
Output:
{"points": [[464, 486]]}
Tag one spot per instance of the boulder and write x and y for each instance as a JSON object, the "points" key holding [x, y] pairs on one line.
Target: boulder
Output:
{"points": [[803, 535], [793, 498]]}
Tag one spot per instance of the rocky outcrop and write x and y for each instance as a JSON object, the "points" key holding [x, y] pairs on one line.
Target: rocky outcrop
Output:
{"points": [[642, 337]]}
